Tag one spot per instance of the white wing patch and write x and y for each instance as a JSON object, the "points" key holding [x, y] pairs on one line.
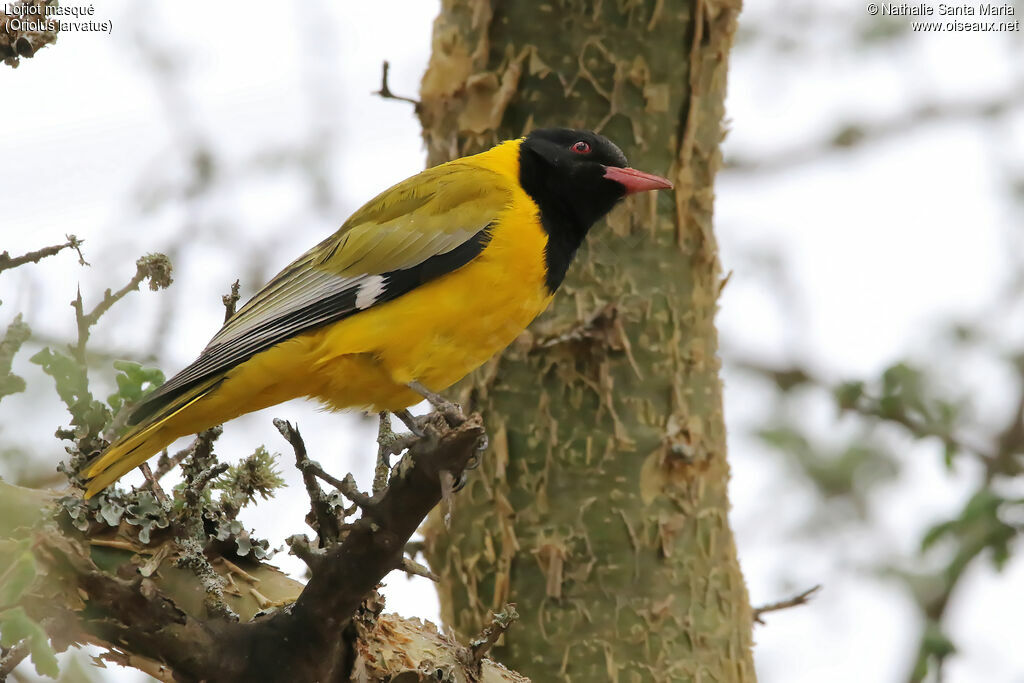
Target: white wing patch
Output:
{"points": [[368, 292]]}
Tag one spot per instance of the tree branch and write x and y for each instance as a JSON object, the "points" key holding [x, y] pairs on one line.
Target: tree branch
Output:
{"points": [[350, 569], [322, 516], [154, 267], [11, 657], [230, 301], [202, 444], [7, 261], [500, 622], [385, 90], [157, 616], [795, 601]]}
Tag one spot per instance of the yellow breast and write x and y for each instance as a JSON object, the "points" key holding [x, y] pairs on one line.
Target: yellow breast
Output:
{"points": [[443, 330]]}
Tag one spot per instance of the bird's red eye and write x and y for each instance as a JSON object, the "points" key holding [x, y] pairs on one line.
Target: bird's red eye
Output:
{"points": [[580, 147]]}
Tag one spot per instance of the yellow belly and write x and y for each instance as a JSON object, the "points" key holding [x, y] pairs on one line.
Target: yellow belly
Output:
{"points": [[436, 334]]}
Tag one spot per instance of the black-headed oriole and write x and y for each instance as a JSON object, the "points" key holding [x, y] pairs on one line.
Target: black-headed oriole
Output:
{"points": [[423, 284]]}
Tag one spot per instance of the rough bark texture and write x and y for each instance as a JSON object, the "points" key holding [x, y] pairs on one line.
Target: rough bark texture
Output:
{"points": [[603, 512]]}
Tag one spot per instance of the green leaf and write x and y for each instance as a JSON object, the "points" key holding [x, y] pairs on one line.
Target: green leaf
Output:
{"points": [[88, 415], [133, 382], [935, 533], [63, 369], [17, 627], [16, 335], [936, 642], [982, 504], [848, 394]]}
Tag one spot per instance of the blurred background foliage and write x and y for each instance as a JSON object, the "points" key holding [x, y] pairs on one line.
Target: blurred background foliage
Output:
{"points": [[872, 328]]}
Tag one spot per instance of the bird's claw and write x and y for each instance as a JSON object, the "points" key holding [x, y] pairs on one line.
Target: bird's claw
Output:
{"points": [[453, 416]]}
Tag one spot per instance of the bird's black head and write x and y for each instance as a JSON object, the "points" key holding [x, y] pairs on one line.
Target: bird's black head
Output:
{"points": [[575, 177]]}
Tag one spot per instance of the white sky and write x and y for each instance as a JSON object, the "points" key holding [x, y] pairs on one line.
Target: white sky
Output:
{"points": [[880, 244]]}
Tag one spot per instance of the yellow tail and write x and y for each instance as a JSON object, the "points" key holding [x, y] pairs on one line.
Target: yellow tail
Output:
{"points": [[142, 442]]}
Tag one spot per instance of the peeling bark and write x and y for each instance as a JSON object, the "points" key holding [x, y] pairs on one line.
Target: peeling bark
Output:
{"points": [[603, 509]]}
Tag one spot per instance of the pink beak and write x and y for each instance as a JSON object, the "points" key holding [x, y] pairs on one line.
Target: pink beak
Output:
{"points": [[636, 181]]}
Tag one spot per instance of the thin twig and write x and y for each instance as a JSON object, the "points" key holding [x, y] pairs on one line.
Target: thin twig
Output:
{"points": [[196, 488], [322, 516], [155, 267], [351, 491], [921, 430], [500, 623], [230, 301], [448, 487], [238, 571], [152, 484], [200, 447], [131, 660], [7, 261], [202, 468], [795, 601], [385, 90], [165, 463], [411, 566]]}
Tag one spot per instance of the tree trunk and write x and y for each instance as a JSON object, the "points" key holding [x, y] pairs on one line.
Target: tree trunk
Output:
{"points": [[602, 509]]}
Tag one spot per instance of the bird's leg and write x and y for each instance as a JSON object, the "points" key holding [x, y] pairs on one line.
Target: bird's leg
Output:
{"points": [[410, 422], [436, 400], [452, 412]]}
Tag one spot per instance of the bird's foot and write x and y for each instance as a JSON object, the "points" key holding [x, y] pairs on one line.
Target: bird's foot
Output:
{"points": [[453, 416], [451, 412], [416, 427]]}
